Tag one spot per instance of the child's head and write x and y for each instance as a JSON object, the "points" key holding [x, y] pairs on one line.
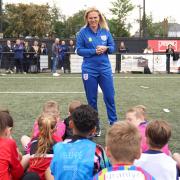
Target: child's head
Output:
{"points": [[84, 120], [47, 125], [73, 105], [123, 143], [10, 122], [51, 107], [6, 123], [143, 111], [135, 115], [158, 133]]}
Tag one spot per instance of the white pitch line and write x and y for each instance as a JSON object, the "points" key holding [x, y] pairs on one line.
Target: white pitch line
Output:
{"points": [[54, 78], [45, 92]]}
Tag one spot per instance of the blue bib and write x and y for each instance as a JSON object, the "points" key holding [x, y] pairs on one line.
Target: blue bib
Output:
{"points": [[74, 161]]}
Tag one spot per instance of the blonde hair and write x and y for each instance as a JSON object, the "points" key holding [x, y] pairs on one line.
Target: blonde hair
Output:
{"points": [[123, 140], [102, 20], [51, 107], [47, 124], [73, 105], [158, 133]]}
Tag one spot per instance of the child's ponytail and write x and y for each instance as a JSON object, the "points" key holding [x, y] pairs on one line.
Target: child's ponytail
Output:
{"points": [[47, 124]]}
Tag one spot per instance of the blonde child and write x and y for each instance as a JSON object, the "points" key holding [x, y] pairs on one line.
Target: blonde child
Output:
{"points": [[138, 117], [41, 146], [50, 107], [123, 147]]}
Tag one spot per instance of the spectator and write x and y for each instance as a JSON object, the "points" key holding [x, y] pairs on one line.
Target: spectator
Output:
{"points": [[36, 56], [79, 158], [63, 56], [123, 48], [18, 56], [8, 57], [27, 57], [161, 166], [55, 55], [71, 50], [137, 116], [71, 47], [122, 148], [169, 52], [148, 50], [44, 50]]}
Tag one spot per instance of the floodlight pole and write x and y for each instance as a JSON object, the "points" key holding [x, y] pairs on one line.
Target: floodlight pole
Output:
{"points": [[144, 19], [0, 16]]}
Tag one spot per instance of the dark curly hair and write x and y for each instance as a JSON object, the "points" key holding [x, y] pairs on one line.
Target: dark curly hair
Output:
{"points": [[85, 118]]}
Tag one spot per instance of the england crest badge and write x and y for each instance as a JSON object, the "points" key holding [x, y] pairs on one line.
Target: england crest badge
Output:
{"points": [[85, 77]]}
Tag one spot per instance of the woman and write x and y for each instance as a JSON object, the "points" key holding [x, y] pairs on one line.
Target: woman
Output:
{"points": [[36, 57], [94, 43], [169, 53]]}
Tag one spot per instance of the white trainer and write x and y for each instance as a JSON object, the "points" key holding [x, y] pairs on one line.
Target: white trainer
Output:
{"points": [[56, 74]]}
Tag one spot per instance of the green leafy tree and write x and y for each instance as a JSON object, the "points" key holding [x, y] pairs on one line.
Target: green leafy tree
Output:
{"points": [[23, 19], [120, 11]]}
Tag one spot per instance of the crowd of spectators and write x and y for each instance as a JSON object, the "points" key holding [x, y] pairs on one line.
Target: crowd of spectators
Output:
{"points": [[24, 56]]}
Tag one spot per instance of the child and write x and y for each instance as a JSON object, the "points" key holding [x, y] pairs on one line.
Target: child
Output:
{"points": [[72, 106], [12, 164], [80, 158], [122, 148], [51, 107], [41, 147], [161, 166], [137, 116]]}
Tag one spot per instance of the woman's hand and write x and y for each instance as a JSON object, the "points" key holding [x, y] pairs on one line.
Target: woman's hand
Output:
{"points": [[101, 49]]}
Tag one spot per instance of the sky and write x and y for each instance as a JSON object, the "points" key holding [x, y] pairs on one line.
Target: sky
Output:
{"points": [[158, 8]]}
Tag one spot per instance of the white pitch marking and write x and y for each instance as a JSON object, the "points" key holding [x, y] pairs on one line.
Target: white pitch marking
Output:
{"points": [[45, 92]]}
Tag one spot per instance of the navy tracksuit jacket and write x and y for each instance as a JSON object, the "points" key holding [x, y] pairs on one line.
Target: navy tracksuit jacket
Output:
{"points": [[96, 69]]}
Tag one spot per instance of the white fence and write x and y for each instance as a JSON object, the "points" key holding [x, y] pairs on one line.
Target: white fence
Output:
{"points": [[76, 62]]}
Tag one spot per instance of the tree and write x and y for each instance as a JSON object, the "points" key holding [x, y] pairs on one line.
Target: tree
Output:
{"points": [[153, 29], [120, 11], [24, 19]]}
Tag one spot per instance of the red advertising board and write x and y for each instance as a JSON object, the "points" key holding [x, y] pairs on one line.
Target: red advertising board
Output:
{"points": [[161, 45]]}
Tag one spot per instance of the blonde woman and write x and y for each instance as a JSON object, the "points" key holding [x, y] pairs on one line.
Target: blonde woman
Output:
{"points": [[94, 43]]}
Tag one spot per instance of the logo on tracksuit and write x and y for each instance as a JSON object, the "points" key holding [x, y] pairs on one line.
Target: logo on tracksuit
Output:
{"points": [[104, 37], [85, 77]]}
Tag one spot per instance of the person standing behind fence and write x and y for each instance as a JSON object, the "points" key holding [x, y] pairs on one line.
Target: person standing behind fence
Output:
{"points": [[55, 56], [44, 50], [121, 49], [36, 55], [18, 56], [169, 53], [71, 50], [8, 58], [63, 57], [94, 43], [27, 57]]}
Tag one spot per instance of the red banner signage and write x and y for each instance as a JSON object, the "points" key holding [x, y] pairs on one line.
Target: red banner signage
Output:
{"points": [[161, 45]]}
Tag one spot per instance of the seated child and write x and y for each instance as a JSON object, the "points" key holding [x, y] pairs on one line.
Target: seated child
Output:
{"points": [[41, 146], [122, 148], [72, 106], [51, 107], [137, 116], [12, 164], [161, 166], [79, 158]]}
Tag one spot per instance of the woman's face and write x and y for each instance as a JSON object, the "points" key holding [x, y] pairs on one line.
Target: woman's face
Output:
{"points": [[93, 19]]}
